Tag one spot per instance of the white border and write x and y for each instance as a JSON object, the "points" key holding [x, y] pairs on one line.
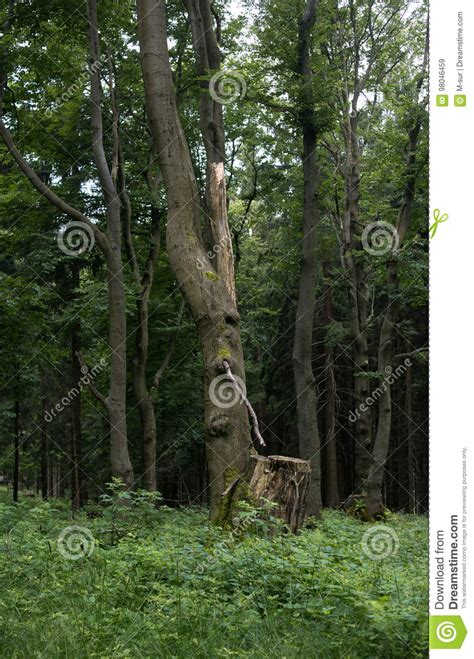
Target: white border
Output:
{"points": [[451, 296]]}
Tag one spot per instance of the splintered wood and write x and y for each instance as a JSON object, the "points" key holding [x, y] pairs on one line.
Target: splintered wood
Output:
{"points": [[284, 481]]}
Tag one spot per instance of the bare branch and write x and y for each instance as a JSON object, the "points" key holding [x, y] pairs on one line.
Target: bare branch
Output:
{"points": [[246, 401], [412, 353], [44, 190], [105, 176]]}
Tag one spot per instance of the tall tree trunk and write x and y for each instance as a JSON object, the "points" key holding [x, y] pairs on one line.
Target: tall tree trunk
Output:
{"points": [[357, 304], [116, 401], [306, 397], [16, 440], [76, 406], [208, 291], [142, 396], [332, 489], [382, 439], [144, 282], [44, 442], [110, 244], [374, 499], [410, 451]]}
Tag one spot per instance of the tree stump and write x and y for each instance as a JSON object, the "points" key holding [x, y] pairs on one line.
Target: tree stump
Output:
{"points": [[284, 481]]}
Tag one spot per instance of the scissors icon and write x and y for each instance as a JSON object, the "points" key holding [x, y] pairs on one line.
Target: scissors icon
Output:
{"points": [[438, 219]]}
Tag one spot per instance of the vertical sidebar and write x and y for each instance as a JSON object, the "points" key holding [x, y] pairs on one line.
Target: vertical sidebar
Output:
{"points": [[451, 328]]}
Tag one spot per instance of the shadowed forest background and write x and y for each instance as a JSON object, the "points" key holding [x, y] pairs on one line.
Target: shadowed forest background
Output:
{"points": [[249, 218]]}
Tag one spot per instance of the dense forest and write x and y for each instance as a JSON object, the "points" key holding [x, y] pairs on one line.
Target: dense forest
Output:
{"points": [[213, 321]]}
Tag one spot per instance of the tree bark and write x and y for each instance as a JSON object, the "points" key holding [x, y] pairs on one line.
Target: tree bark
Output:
{"points": [[374, 501], [144, 282], [142, 396], [110, 244], [284, 481], [332, 489], [115, 402], [140, 388], [77, 498], [16, 440], [357, 305], [306, 396], [45, 471], [410, 450], [206, 291]]}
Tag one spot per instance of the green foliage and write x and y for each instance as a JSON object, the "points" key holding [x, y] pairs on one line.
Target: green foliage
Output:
{"points": [[174, 586]]}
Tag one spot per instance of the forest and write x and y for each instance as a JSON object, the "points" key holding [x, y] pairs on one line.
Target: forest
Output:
{"points": [[213, 328]]}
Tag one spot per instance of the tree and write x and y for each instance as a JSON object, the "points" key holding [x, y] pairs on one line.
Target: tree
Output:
{"points": [[110, 244], [307, 402], [380, 450], [208, 290]]}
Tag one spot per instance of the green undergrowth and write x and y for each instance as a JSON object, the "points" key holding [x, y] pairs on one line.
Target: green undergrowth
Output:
{"points": [[157, 582]]}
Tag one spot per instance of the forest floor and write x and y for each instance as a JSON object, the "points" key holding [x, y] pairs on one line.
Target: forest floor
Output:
{"points": [[161, 583]]}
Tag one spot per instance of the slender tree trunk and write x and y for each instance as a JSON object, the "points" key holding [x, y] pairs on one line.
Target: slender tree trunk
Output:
{"points": [[332, 489], [16, 440], [374, 499], [207, 292], [142, 396], [382, 440], [116, 402], [44, 443], [306, 397], [76, 427], [410, 452], [144, 282], [358, 311], [110, 244]]}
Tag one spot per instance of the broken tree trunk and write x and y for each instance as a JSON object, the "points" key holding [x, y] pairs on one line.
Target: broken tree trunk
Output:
{"points": [[283, 481], [277, 478]]}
